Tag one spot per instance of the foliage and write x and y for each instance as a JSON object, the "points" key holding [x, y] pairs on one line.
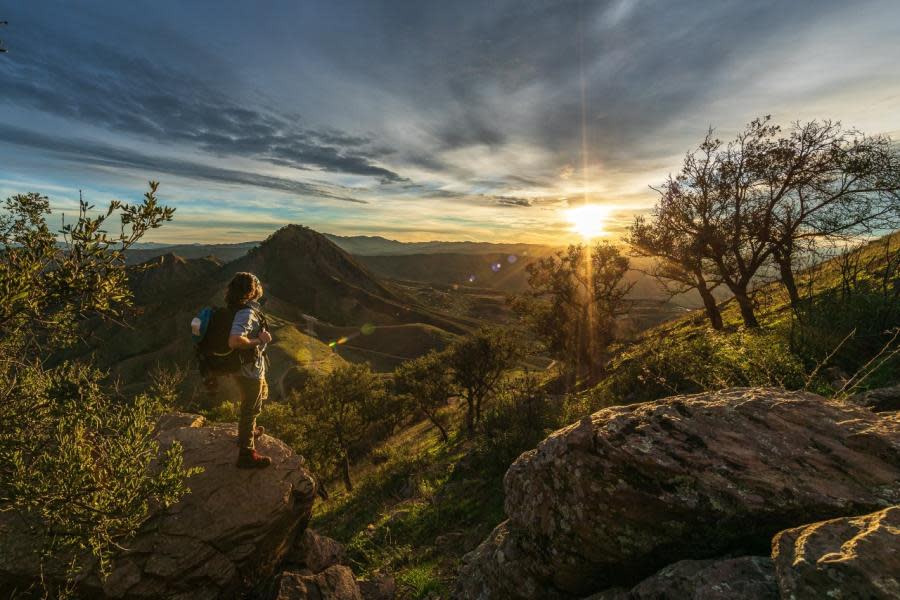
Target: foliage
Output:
{"points": [[573, 303], [334, 412], [425, 383], [479, 362], [47, 288], [78, 463], [521, 415]]}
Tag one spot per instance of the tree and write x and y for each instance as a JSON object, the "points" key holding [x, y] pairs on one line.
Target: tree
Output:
{"points": [[766, 197], [337, 410], [575, 298], [820, 182], [79, 464], [425, 383], [680, 267], [479, 362]]}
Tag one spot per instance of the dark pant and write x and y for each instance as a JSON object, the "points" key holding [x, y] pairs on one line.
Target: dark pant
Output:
{"points": [[253, 393]]}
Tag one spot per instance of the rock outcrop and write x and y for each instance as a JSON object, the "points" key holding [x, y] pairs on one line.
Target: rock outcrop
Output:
{"points": [[612, 499], [233, 528], [314, 569], [851, 557]]}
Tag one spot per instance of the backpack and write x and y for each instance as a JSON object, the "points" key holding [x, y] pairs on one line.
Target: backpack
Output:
{"points": [[214, 357]]}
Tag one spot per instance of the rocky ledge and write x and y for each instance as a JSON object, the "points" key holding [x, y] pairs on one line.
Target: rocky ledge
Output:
{"points": [[611, 500], [233, 528]]}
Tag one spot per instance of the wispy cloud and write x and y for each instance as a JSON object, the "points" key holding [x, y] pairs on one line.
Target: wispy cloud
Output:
{"points": [[93, 153]]}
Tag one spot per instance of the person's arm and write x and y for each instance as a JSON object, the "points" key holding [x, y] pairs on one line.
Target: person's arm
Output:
{"points": [[242, 342], [240, 329]]}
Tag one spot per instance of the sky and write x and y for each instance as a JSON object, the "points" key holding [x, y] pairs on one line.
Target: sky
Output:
{"points": [[416, 120]]}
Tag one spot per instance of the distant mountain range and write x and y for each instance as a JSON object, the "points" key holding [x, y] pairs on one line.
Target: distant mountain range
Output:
{"points": [[358, 245], [365, 245]]}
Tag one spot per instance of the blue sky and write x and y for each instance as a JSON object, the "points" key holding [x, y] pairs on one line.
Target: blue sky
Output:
{"points": [[415, 120]]}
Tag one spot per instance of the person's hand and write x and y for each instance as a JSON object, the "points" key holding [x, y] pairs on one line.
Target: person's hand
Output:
{"points": [[264, 337]]}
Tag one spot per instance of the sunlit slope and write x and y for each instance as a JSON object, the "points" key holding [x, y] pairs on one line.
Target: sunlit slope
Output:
{"points": [[850, 305]]}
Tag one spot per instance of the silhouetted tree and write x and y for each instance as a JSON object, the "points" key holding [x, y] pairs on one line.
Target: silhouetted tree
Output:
{"points": [[575, 298], [680, 224], [822, 181], [766, 197]]}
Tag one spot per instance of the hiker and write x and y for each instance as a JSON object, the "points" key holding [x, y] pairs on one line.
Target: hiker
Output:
{"points": [[248, 338]]}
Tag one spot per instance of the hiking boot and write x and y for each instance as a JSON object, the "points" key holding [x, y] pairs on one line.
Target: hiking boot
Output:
{"points": [[251, 459]]}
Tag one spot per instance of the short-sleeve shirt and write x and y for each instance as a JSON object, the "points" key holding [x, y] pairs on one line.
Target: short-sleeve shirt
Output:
{"points": [[248, 324]]}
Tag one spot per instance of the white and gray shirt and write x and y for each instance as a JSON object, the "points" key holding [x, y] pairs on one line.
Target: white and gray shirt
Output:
{"points": [[248, 324]]}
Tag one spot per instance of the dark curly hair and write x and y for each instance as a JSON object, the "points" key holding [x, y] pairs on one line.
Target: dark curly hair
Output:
{"points": [[243, 288]]}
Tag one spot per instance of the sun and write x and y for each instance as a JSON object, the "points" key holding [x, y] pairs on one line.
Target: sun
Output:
{"points": [[588, 220]]}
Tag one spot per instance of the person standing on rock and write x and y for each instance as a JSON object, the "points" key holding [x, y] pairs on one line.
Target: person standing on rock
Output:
{"points": [[249, 337]]}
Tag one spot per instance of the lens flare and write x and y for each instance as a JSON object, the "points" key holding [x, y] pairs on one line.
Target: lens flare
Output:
{"points": [[588, 220]]}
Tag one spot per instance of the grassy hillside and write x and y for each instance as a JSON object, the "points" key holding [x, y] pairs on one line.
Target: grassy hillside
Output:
{"points": [[421, 504]]}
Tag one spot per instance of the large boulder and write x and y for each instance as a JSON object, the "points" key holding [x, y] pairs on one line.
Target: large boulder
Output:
{"points": [[232, 529], [610, 500], [850, 557], [743, 578]]}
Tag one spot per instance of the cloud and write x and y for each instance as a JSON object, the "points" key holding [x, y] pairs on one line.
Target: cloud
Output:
{"points": [[93, 153], [101, 86], [510, 201]]}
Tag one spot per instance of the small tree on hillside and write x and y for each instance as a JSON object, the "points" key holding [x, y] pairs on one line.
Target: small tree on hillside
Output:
{"points": [[425, 383], [77, 463], [337, 410], [575, 298], [479, 362]]}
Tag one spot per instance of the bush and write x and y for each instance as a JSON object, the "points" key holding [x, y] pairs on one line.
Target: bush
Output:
{"points": [[704, 360], [78, 463]]}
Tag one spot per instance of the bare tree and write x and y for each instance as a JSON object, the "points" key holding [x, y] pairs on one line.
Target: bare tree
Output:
{"points": [[680, 226], [822, 181], [767, 198]]}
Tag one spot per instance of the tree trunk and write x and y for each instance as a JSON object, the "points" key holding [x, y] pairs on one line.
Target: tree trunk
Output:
{"points": [[711, 306], [434, 420], [470, 415], [345, 471], [746, 305], [787, 279]]}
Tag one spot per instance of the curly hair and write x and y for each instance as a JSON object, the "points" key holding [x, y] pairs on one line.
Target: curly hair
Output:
{"points": [[243, 288]]}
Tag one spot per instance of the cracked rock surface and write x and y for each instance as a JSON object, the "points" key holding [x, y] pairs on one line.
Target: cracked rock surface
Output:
{"points": [[612, 499]]}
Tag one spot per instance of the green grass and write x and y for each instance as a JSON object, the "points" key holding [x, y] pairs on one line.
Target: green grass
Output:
{"points": [[412, 490]]}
